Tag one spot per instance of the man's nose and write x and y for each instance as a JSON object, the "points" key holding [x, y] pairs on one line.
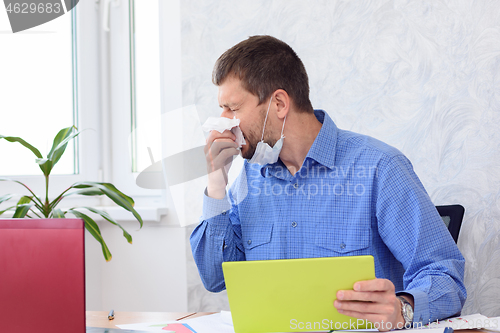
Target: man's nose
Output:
{"points": [[227, 114]]}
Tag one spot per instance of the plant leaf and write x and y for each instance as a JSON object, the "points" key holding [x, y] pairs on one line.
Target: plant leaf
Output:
{"points": [[3, 211], [5, 198], [60, 143], [5, 179], [45, 165], [37, 202], [86, 191], [85, 185], [60, 136], [24, 143], [24, 200], [113, 188], [108, 217], [58, 214], [93, 228], [21, 211], [34, 212], [114, 194]]}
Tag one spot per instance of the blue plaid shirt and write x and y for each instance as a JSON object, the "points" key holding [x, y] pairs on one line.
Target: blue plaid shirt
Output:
{"points": [[354, 195]]}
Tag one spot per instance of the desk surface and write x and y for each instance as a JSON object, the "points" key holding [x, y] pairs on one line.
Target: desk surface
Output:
{"points": [[100, 318]]}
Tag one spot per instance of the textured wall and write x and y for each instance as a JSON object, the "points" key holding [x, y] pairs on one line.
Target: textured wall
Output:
{"points": [[423, 76]]}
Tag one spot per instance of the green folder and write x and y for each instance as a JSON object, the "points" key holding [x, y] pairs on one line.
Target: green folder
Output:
{"points": [[293, 295]]}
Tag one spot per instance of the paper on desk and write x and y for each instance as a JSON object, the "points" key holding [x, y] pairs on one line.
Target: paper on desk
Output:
{"points": [[215, 323], [467, 322], [474, 321], [165, 327], [222, 323], [429, 330]]}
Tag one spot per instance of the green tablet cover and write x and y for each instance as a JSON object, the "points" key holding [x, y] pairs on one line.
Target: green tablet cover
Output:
{"points": [[293, 295]]}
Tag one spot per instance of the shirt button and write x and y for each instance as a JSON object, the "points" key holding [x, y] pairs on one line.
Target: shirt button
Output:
{"points": [[342, 246], [224, 212], [294, 224], [295, 186], [249, 242]]}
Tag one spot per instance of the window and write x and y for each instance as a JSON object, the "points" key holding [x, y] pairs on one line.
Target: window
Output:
{"points": [[43, 91], [37, 85], [145, 85], [135, 97], [104, 83]]}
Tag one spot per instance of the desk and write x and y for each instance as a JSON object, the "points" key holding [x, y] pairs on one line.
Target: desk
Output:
{"points": [[100, 318]]}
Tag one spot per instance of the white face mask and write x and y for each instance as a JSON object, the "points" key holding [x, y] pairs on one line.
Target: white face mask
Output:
{"points": [[264, 154]]}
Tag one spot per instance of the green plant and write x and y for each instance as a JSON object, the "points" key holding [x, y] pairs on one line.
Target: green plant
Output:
{"points": [[33, 206]]}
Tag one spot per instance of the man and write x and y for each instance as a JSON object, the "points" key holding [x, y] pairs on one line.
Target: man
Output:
{"points": [[330, 193]]}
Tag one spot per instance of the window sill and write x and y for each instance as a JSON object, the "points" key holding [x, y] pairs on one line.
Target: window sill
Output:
{"points": [[148, 214]]}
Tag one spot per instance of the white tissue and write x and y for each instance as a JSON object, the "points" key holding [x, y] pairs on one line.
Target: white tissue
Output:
{"points": [[220, 124]]}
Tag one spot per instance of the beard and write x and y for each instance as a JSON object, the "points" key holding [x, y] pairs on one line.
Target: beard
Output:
{"points": [[252, 138], [251, 145]]}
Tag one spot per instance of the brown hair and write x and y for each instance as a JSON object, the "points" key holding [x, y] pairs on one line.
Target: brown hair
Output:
{"points": [[265, 64]]}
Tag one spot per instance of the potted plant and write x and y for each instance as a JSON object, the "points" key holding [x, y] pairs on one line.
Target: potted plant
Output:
{"points": [[33, 206]]}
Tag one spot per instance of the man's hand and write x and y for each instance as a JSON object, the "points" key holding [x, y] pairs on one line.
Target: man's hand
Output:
{"points": [[219, 152], [374, 301]]}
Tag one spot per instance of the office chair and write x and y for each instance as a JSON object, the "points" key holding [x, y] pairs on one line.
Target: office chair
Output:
{"points": [[452, 216]]}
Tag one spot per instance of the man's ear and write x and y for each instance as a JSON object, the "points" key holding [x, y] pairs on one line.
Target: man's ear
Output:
{"points": [[282, 102]]}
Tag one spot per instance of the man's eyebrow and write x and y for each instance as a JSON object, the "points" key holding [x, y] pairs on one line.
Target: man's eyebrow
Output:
{"points": [[229, 105]]}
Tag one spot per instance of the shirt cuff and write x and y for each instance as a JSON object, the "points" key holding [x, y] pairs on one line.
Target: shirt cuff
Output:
{"points": [[216, 213], [420, 306]]}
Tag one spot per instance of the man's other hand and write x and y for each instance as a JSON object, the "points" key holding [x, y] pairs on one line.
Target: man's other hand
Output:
{"points": [[374, 301]]}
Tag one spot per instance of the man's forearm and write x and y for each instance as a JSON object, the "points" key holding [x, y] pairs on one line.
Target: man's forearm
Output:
{"points": [[215, 240], [208, 255]]}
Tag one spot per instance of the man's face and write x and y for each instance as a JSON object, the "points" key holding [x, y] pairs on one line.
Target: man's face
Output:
{"points": [[237, 102]]}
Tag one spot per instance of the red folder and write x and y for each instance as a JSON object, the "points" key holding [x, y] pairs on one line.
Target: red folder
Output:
{"points": [[42, 275]]}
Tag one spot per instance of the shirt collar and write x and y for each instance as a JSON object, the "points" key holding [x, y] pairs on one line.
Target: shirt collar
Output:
{"points": [[324, 146], [322, 150]]}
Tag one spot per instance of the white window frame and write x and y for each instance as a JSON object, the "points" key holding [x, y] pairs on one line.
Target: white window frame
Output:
{"points": [[119, 123]]}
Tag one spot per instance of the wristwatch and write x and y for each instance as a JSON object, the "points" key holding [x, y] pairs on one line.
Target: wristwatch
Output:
{"points": [[406, 311]]}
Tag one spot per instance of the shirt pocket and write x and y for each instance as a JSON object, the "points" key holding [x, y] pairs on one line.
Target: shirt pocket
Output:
{"points": [[255, 235], [343, 238]]}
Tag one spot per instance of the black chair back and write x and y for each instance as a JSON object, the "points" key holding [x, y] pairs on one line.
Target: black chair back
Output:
{"points": [[452, 216]]}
